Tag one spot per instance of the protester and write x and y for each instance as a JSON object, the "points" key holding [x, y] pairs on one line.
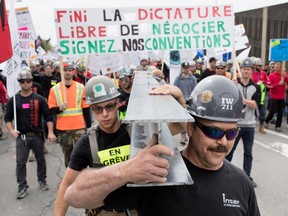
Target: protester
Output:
{"points": [[80, 76], [196, 73], [186, 82], [110, 134], [199, 68], [221, 69], [210, 70], [30, 108], [71, 114], [3, 102], [48, 80], [164, 68], [125, 82], [278, 78], [251, 98], [144, 64], [219, 187], [260, 78], [159, 76]]}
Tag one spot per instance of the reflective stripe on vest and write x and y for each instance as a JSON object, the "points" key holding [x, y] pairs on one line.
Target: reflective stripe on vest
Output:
{"points": [[263, 92], [69, 111], [122, 115]]}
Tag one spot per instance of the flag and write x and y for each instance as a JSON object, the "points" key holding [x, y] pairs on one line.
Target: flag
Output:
{"points": [[13, 66], [200, 53], [5, 39]]}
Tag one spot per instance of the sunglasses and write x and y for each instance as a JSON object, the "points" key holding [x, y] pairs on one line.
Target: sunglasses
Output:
{"points": [[216, 133], [23, 81], [99, 109], [220, 68]]}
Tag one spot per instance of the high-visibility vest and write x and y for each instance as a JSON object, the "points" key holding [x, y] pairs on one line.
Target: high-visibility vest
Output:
{"points": [[263, 93], [72, 117]]}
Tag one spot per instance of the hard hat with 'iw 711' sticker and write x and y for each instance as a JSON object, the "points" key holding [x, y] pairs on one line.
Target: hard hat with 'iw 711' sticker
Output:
{"points": [[216, 98]]}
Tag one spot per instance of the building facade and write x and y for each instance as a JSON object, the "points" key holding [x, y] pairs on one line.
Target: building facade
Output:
{"points": [[277, 26]]}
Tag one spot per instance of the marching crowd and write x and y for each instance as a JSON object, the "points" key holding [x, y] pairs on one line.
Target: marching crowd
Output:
{"points": [[61, 108]]}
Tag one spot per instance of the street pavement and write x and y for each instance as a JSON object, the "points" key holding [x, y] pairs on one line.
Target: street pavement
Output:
{"points": [[269, 172]]}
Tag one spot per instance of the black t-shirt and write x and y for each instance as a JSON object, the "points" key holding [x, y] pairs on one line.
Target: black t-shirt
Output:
{"points": [[206, 73], [29, 112], [227, 191], [48, 82], [113, 148], [37, 89]]}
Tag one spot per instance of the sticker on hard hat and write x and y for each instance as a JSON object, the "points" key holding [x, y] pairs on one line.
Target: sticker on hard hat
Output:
{"points": [[113, 90], [99, 90], [206, 96], [227, 103]]}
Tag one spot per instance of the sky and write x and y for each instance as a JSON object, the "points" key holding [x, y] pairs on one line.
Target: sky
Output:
{"points": [[42, 11]]}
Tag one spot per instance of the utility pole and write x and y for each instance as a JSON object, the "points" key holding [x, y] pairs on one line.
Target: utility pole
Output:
{"points": [[264, 35]]}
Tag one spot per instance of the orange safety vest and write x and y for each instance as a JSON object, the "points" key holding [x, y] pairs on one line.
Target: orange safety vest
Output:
{"points": [[72, 117]]}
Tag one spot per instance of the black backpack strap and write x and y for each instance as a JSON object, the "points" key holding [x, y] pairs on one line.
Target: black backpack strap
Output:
{"points": [[128, 127], [93, 134]]}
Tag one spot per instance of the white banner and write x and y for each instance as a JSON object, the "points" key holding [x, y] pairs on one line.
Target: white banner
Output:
{"points": [[13, 65], [27, 45], [120, 30], [24, 20], [241, 41]]}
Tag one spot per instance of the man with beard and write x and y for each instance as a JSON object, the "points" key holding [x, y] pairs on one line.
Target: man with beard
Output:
{"points": [[219, 188], [110, 135], [251, 97], [80, 74], [71, 114], [125, 82]]}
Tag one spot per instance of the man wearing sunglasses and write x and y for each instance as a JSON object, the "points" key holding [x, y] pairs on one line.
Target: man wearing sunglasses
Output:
{"points": [[219, 188], [251, 94], [112, 139], [221, 69], [29, 133]]}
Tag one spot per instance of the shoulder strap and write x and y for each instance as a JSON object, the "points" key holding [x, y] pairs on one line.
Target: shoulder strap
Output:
{"points": [[128, 128], [93, 134]]}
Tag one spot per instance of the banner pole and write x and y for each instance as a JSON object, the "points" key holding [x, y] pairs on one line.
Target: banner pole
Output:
{"points": [[62, 79]]}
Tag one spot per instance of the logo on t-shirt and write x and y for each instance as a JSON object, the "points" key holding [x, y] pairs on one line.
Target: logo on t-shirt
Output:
{"points": [[230, 202]]}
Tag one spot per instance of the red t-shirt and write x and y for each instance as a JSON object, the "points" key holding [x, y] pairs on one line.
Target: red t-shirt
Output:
{"points": [[277, 91], [260, 76]]}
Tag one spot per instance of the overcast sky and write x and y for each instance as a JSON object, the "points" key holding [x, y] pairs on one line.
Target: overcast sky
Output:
{"points": [[43, 17]]}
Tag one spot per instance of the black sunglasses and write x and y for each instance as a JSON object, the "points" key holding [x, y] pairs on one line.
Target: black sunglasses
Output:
{"points": [[216, 133], [23, 81], [220, 68], [99, 109]]}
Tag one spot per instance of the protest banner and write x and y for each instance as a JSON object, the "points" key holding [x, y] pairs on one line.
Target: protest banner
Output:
{"points": [[278, 50], [241, 41], [120, 30], [24, 20], [26, 45]]}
